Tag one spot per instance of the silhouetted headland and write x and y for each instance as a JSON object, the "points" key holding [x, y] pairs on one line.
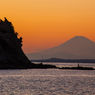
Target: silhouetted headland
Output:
{"points": [[11, 54]]}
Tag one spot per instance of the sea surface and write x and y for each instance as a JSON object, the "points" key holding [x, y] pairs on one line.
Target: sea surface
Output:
{"points": [[48, 81]]}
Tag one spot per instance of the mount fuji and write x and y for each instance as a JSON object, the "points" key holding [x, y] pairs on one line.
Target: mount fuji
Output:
{"points": [[78, 47]]}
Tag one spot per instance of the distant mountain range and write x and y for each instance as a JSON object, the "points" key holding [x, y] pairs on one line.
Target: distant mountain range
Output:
{"points": [[66, 60], [78, 47]]}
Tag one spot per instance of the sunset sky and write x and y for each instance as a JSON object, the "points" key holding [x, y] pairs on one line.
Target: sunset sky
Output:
{"points": [[47, 23]]}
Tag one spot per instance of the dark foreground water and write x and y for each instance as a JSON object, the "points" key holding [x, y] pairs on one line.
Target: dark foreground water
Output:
{"points": [[48, 81]]}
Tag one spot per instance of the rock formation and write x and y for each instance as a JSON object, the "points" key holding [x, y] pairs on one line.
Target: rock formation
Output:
{"points": [[10, 46], [11, 54]]}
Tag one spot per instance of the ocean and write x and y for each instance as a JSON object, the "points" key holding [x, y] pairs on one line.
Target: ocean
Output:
{"points": [[48, 81]]}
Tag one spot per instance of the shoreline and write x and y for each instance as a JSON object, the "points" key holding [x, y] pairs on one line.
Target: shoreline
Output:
{"points": [[42, 66]]}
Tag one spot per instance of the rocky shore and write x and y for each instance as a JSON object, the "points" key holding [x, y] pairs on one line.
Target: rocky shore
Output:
{"points": [[11, 53]]}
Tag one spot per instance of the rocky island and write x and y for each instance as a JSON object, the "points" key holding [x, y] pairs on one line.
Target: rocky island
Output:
{"points": [[11, 54]]}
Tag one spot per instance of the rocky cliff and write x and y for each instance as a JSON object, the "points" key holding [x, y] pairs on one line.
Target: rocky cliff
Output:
{"points": [[11, 54], [10, 46]]}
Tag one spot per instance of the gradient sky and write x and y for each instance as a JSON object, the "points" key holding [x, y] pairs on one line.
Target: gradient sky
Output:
{"points": [[47, 23]]}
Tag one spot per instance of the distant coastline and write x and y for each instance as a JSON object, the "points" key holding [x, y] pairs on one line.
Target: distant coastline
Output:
{"points": [[66, 60]]}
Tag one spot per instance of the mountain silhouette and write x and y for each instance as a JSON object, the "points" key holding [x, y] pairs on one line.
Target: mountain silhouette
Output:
{"points": [[78, 47]]}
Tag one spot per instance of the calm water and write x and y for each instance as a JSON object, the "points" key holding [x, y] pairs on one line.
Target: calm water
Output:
{"points": [[48, 81]]}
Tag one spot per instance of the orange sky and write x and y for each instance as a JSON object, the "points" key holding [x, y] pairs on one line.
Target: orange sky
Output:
{"points": [[48, 23]]}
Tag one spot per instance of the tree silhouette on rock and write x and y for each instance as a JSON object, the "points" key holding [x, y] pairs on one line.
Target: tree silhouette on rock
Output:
{"points": [[10, 46]]}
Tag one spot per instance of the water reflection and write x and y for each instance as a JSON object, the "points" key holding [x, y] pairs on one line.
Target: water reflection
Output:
{"points": [[48, 81]]}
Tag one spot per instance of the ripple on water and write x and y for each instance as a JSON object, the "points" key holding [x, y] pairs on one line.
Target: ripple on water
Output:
{"points": [[49, 82], [71, 85]]}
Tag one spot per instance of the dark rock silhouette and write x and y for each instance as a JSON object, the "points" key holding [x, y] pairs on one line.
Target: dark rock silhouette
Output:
{"points": [[11, 54], [10, 46]]}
